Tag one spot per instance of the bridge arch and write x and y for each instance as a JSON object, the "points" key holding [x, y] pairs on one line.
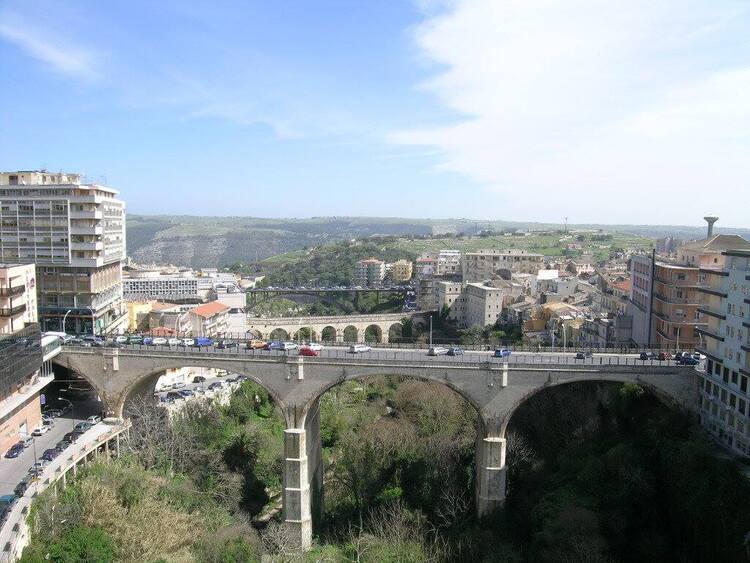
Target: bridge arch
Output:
{"points": [[278, 334], [373, 333], [395, 331], [664, 396], [328, 334], [350, 333]]}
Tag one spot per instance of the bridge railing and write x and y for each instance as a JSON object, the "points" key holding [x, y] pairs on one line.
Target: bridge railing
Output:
{"points": [[532, 358]]}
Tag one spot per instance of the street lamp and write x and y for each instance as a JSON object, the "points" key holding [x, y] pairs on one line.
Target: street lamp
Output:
{"points": [[72, 408], [93, 321], [65, 316]]}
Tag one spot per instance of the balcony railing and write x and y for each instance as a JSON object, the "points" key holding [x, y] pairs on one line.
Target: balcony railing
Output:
{"points": [[712, 313], [12, 291], [12, 311], [710, 334]]}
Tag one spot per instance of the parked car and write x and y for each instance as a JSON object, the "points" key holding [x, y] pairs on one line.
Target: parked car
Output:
{"points": [[178, 384], [203, 341], [50, 454], [273, 345], [215, 385], [122, 339], [94, 419], [36, 469], [135, 339], [314, 346], [186, 393], [70, 437], [455, 351], [502, 353], [307, 351], [580, 356], [159, 341], [15, 450], [174, 341], [82, 427], [174, 395], [437, 351], [48, 421], [698, 356], [54, 413], [148, 341], [187, 342], [643, 356], [199, 379], [358, 348], [93, 340], [223, 344], [288, 346], [688, 361], [653, 355], [22, 486], [6, 503], [62, 445], [664, 356], [40, 430], [199, 390], [256, 344], [26, 441]]}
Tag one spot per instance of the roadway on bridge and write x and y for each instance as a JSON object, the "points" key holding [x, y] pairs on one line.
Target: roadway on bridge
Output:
{"points": [[412, 355]]}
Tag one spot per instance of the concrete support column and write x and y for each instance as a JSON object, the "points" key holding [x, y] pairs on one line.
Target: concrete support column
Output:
{"points": [[296, 494], [491, 474], [384, 335], [361, 335]]}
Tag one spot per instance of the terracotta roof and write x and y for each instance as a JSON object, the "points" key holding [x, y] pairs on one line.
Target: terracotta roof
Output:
{"points": [[623, 285], [210, 309], [718, 242]]}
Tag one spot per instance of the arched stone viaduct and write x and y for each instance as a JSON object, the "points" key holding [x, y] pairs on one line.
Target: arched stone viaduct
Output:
{"points": [[346, 328], [296, 383]]}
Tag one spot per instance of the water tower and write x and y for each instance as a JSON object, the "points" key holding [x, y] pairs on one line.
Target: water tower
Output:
{"points": [[710, 219]]}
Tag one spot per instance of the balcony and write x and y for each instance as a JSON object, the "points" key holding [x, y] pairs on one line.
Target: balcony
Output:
{"points": [[711, 291], [85, 229], [712, 313], [87, 214], [12, 311], [12, 291], [675, 300], [93, 245], [710, 334]]}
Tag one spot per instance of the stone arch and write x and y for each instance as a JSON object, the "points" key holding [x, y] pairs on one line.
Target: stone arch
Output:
{"points": [[373, 333], [278, 334], [304, 334], [350, 333], [328, 334], [104, 397], [395, 332], [660, 394], [145, 384]]}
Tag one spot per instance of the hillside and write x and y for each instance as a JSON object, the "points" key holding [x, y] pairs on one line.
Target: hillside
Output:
{"points": [[220, 241]]}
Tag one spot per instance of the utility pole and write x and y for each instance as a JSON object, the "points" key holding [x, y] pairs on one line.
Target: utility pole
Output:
{"points": [[430, 330]]}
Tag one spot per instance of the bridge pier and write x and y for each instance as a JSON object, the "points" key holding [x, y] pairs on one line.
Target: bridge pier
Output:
{"points": [[491, 474], [302, 496]]}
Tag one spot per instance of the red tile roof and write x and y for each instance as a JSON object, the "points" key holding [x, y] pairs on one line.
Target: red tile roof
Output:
{"points": [[210, 309]]}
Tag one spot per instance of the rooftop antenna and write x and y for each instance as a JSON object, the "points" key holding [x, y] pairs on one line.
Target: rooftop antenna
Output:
{"points": [[710, 219]]}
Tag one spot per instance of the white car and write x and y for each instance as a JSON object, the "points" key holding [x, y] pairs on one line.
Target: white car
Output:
{"points": [[159, 341], [289, 346], [94, 419], [358, 348], [173, 341], [187, 342], [40, 430], [437, 351], [314, 346], [698, 356], [122, 339]]}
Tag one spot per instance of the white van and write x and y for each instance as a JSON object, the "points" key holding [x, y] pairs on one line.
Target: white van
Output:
{"points": [[357, 348]]}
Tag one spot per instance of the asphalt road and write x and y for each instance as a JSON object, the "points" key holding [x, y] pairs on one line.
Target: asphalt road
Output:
{"points": [[393, 354], [13, 470]]}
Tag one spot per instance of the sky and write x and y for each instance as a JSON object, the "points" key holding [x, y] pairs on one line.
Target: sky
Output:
{"points": [[625, 111]]}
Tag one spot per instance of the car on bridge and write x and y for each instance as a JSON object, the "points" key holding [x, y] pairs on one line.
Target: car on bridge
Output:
{"points": [[50, 454], [223, 344], [256, 344], [437, 351], [272, 345], [502, 353], [359, 348], [203, 341], [286, 346], [307, 351], [135, 339], [455, 351], [159, 341], [687, 360]]}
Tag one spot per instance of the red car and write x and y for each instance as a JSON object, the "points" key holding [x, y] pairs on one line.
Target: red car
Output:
{"points": [[305, 351]]}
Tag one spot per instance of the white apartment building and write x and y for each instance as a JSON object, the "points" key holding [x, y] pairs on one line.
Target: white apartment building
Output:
{"points": [[141, 285], [75, 234], [451, 294], [485, 264], [17, 296], [483, 304], [369, 273], [725, 398]]}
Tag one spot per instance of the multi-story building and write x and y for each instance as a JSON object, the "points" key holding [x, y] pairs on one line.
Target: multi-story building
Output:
{"points": [[17, 296], [369, 273], [450, 294], [211, 319], [141, 285], [482, 304], [486, 264], [75, 234], [667, 296], [725, 340], [401, 271]]}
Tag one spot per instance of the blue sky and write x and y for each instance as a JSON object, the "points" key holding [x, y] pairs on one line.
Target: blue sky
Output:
{"points": [[624, 111]]}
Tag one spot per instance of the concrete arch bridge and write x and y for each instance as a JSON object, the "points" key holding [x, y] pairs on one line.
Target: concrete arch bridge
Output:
{"points": [[496, 387]]}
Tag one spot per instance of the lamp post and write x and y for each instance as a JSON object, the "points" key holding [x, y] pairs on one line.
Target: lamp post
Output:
{"points": [[65, 316], [72, 408], [93, 321]]}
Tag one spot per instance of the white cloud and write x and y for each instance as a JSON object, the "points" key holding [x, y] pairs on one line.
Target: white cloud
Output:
{"points": [[58, 51], [615, 111]]}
